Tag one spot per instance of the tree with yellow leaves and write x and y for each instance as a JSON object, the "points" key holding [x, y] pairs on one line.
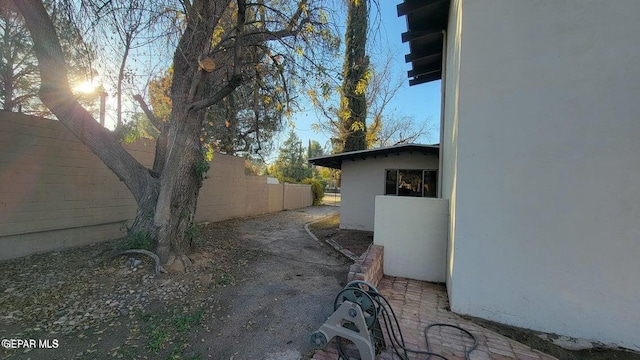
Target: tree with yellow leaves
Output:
{"points": [[356, 75]]}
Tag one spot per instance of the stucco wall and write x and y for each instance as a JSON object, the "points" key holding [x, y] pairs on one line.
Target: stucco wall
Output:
{"points": [[449, 131], [362, 180], [548, 162], [55, 193], [413, 232]]}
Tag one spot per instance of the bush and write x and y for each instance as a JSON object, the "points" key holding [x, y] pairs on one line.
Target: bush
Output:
{"points": [[316, 189]]}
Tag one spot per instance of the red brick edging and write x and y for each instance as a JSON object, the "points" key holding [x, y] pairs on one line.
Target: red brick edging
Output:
{"points": [[368, 266]]}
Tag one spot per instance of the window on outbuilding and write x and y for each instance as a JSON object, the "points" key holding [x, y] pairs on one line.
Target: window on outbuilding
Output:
{"points": [[391, 183], [408, 182]]}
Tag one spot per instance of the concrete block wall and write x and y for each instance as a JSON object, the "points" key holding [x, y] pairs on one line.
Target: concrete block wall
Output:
{"points": [[250, 195], [297, 196], [275, 197], [228, 193], [55, 193]]}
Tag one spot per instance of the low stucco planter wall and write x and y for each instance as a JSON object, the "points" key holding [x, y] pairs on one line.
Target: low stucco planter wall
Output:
{"points": [[413, 232]]}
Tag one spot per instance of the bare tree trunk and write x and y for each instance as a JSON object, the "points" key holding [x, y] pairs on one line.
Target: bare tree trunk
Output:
{"points": [[143, 223], [179, 186], [167, 211]]}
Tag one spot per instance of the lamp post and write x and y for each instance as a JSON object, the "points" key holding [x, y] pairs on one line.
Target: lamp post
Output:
{"points": [[103, 103], [87, 90]]}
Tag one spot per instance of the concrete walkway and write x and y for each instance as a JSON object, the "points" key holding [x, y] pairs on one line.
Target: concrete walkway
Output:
{"points": [[418, 304]]}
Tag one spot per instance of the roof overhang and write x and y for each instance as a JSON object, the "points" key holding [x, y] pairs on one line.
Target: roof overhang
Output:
{"points": [[335, 161], [426, 22]]}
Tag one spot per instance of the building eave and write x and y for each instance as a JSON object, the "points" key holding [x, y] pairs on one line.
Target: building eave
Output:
{"points": [[335, 161], [426, 22]]}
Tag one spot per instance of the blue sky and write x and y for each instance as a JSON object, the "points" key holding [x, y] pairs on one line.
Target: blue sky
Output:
{"points": [[422, 102]]}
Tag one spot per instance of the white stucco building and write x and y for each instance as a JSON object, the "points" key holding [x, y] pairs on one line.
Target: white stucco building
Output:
{"points": [[405, 170], [540, 159], [394, 191]]}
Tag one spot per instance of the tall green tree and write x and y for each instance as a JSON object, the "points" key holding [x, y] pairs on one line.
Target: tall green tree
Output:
{"points": [[291, 165], [314, 149], [19, 74], [386, 125], [356, 75], [205, 71], [19, 67]]}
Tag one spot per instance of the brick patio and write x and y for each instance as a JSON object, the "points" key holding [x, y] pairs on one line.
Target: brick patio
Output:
{"points": [[418, 304]]}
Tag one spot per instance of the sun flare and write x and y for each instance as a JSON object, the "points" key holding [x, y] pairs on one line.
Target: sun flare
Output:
{"points": [[86, 87]]}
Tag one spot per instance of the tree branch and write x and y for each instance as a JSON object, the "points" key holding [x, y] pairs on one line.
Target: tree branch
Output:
{"points": [[240, 31], [157, 123], [56, 94], [161, 141], [233, 83]]}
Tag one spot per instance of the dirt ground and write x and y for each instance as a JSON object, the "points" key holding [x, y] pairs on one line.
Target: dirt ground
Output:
{"points": [[353, 240], [258, 288]]}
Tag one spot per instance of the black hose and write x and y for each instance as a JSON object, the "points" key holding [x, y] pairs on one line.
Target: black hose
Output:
{"points": [[397, 340]]}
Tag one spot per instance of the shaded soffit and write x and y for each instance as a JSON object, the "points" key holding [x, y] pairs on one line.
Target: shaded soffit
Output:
{"points": [[426, 21], [335, 161]]}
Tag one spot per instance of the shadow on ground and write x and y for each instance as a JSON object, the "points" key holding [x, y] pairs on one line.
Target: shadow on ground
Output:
{"points": [[258, 288]]}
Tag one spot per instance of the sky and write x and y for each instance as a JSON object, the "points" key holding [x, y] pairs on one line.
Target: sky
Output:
{"points": [[422, 102]]}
